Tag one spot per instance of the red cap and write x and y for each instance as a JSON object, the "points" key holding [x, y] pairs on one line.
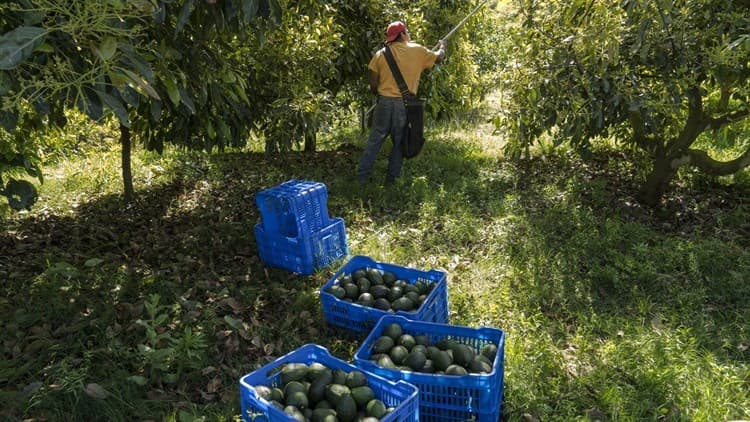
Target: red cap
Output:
{"points": [[394, 30]]}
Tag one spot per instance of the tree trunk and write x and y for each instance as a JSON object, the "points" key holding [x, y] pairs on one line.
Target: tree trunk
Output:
{"points": [[310, 141], [657, 182], [127, 173]]}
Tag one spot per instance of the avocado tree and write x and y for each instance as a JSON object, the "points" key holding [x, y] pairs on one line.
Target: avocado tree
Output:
{"points": [[666, 77], [164, 69], [314, 69], [200, 74]]}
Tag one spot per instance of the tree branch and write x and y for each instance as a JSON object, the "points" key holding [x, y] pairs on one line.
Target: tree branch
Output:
{"points": [[719, 122], [695, 123], [639, 132], [700, 159]]}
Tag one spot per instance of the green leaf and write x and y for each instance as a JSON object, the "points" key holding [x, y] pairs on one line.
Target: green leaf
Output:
{"points": [[107, 48], [275, 11], [142, 84], [6, 83], [117, 107], [21, 194], [9, 120], [137, 380], [155, 110], [185, 98], [172, 91], [232, 322], [92, 262], [250, 9], [91, 105], [187, 9], [18, 44]]}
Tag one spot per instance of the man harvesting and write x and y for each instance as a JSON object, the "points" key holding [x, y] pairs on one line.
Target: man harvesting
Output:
{"points": [[389, 117]]}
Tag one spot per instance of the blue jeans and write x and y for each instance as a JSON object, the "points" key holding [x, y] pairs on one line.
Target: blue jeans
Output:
{"points": [[389, 119]]}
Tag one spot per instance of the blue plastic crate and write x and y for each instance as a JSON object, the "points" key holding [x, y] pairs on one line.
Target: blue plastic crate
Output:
{"points": [[295, 208], [445, 398], [304, 254], [360, 319], [403, 397]]}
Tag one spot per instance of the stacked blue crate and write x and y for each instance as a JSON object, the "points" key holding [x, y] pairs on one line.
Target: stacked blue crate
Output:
{"points": [[295, 232]]}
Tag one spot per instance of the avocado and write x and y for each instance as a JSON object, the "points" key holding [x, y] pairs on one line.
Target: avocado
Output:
{"points": [[362, 395], [483, 358], [293, 372], [297, 399], [317, 390], [323, 415], [383, 344], [357, 274], [294, 387], [402, 304], [339, 377], [355, 379], [352, 291], [462, 355], [294, 413], [336, 291], [477, 366], [386, 362], [363, 284], [414, 297], [376, 408], [398, 354], [346, 409], [323, 404], [441, 361], [407, 340], [277, 394], [366, 299], [489, 351], [375, 276], [315, 369], [416, 360], [455, 370], [389, 277], [432, 351], [400, 283], [395, 293], [383, 304], [393, 331], [379, 291], [334, 393], [419, 348]]}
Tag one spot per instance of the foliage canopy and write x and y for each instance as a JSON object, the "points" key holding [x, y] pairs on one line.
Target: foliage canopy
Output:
{"points": [[203, 74], [655, 75]]}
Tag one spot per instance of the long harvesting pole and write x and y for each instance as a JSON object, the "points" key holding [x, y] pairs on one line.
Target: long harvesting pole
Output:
{"points": [[460, 24]]}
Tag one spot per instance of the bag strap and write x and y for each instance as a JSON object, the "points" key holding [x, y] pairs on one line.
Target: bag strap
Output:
{"points": [[405, 93]]}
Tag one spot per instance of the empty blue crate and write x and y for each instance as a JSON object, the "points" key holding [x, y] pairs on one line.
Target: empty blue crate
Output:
{"points": [[295, 208], [303, 254], [401, 396], [442, 398], [358, 317]]}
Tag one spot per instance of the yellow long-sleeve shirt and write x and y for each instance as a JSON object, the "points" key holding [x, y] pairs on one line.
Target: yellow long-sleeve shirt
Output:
{"points": [[412, 58]]}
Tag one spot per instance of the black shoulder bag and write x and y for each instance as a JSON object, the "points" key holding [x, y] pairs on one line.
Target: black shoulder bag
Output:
{"points": [[414, 131]]}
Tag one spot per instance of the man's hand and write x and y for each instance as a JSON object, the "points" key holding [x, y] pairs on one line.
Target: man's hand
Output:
{"points": [[441, 51]]}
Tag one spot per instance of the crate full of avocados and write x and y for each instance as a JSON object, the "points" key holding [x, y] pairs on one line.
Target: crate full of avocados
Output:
{"points": [[364, 290], [458, 370], [309, 384]]}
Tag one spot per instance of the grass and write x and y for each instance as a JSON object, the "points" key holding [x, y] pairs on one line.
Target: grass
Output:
{"points": [[154, 310]]}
